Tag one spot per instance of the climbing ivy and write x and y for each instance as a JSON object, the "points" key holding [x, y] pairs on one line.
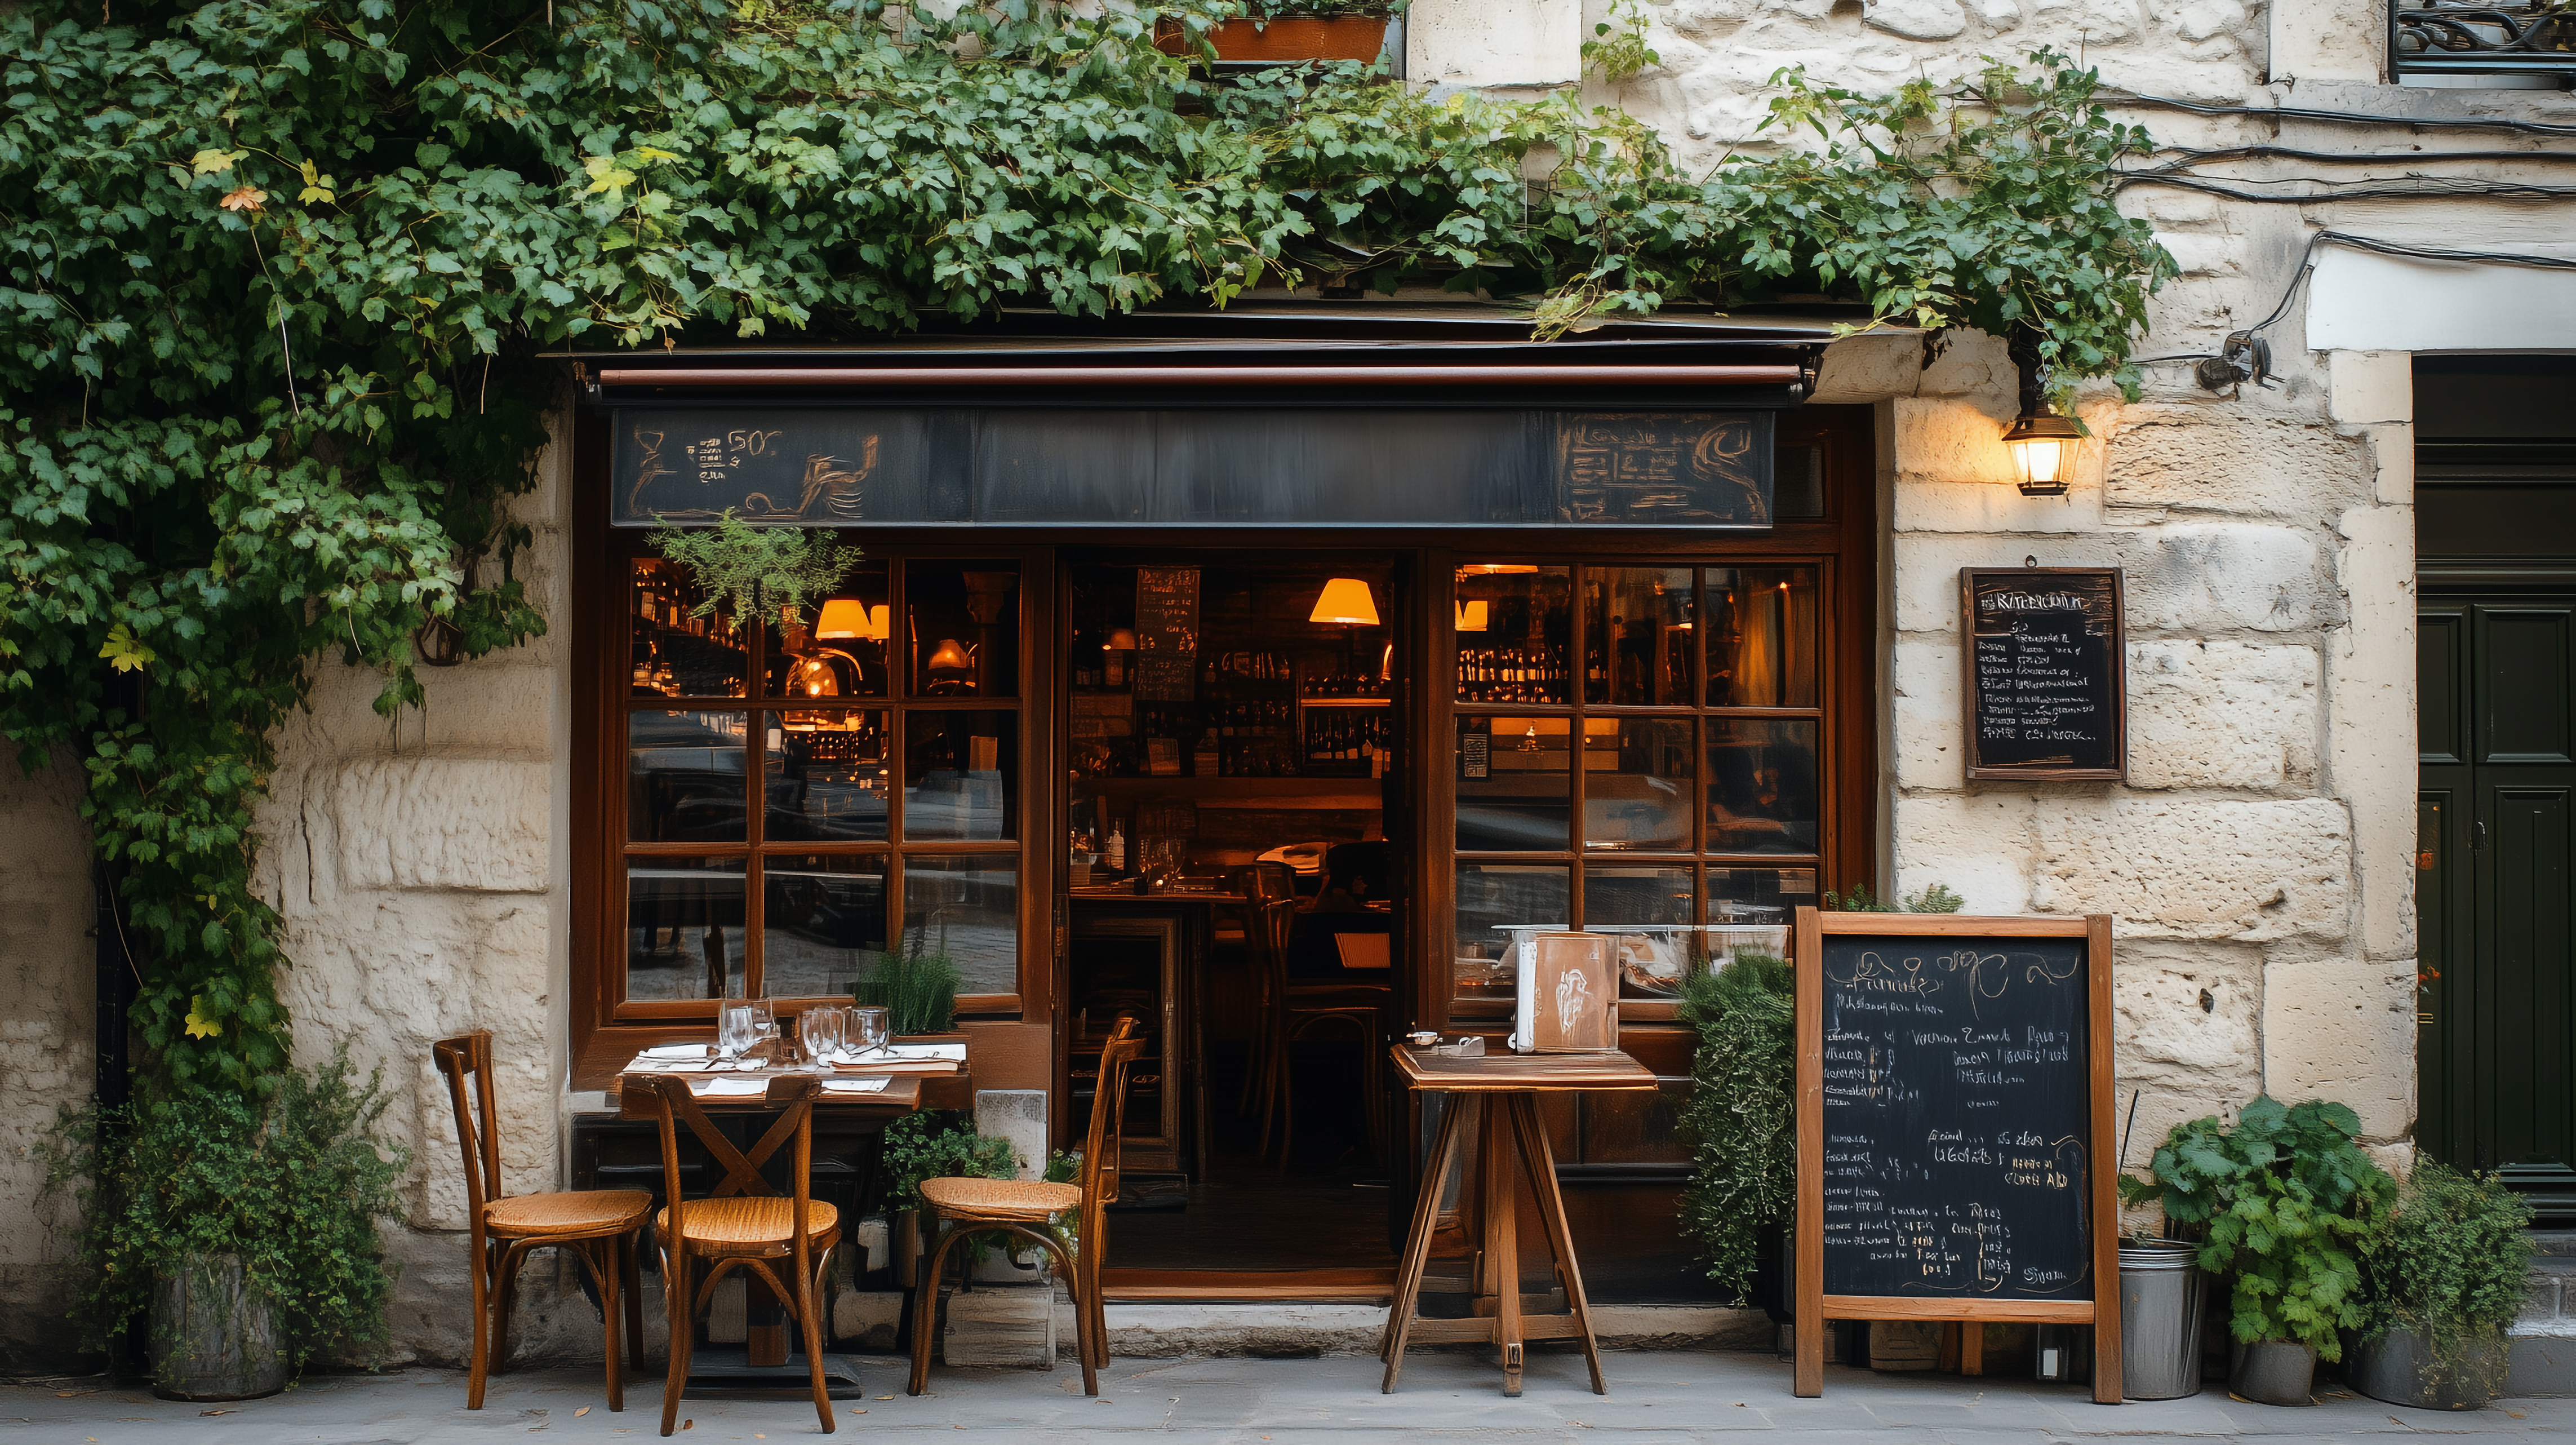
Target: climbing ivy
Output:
{"points": [[278, 272]]}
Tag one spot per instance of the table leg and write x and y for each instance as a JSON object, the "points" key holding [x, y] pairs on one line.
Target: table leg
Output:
{"points": [[1417, 1247], [764, 1319], [1972, 1347], [1502, 1272], [1541, 1163]]}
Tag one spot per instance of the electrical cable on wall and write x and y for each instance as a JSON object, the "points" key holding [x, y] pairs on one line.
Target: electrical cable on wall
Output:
{"points": [[2425, 188], [2341, 117]]}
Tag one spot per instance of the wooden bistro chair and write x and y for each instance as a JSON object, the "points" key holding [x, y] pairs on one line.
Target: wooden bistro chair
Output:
{"points": [[743, 1223], [598, 1225], [1295, 1008], [1025, 1207]]}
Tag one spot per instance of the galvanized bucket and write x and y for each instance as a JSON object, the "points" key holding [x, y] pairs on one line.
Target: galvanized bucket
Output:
{"points": [[2160, 1298]]}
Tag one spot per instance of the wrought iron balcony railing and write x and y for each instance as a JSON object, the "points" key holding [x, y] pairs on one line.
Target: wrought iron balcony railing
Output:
{"points": [[2452, 37]]}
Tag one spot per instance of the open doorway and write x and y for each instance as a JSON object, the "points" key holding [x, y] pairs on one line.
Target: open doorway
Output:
{"points": [[1234, 753]]}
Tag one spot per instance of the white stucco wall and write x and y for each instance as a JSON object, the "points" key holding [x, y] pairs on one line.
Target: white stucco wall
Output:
{"points": [[48, 999]]}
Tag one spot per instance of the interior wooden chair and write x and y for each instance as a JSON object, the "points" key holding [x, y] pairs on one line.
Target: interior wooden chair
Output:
{"points": [[1024, 1208], [1293, 1008], [743, 1223], [598, 1225], [1268, 921]]}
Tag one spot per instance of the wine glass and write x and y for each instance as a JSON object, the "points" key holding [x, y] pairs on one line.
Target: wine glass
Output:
{"points": [[868, 1028], [821, 1030], [735, 1032]]}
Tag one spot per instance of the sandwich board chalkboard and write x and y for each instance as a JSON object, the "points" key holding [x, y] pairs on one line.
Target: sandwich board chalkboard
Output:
{"points": [[2047, 694], [1955, 1153]]}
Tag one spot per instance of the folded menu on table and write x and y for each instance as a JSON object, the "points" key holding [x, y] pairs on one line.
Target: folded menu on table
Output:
{"points": [[880, 1064], [729, 1088], [674, 1051], [649, 1063], [954, 1052], [856, 1086]]}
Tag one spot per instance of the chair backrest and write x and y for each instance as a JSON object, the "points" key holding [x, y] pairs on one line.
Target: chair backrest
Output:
{"points": [[469, 1056], [1370, 863], [674, 1104], [1262, 882], [1108, 1109]]}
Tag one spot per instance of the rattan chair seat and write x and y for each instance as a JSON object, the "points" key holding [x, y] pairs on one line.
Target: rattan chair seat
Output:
{"points": [[589, 1211], [746, 1220], [1028, 1201]]}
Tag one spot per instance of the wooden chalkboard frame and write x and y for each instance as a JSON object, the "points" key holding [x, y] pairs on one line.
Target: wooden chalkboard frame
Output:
{"points": [[1979, 770], [1814, 1306]]}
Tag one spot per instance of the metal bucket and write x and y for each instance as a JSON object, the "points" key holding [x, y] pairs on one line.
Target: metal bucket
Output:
{"points": [[2160, 1299]]}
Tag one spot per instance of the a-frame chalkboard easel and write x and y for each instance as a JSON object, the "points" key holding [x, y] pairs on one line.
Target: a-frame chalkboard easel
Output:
{"points": [[1972, 1161]]}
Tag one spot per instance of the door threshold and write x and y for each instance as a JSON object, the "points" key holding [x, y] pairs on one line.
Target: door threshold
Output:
{"points": [[1337, 1286]]}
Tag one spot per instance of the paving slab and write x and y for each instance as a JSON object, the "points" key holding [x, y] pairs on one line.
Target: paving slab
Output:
{"points": [[1655, 1397]]}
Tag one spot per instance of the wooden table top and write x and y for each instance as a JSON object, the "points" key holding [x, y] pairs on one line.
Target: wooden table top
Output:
{"points": [[903, 1093], [1125, 893], [1514, 1073]]}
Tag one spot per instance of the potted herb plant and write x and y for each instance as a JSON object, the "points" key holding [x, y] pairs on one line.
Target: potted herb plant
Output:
{"points": [[244, 1232], [2443, 1277], [1288, 31], [2280, 1202], [916, 984], [1743, 1140], [753, 571], [932, 1145]]}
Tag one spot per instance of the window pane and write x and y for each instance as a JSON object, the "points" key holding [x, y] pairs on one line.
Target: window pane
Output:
{"points": [[1515, 625], [826, 777], [1761, 636], [1637, 784], [964, 628], [960, 775], [672, 653], [837, 648], [970, 909], [1513, 793], [1650, 908], [1761, 786], [1759, 895], [1638, 642], [1498, 904], [684, 777], [822, 920], [684, 928]]}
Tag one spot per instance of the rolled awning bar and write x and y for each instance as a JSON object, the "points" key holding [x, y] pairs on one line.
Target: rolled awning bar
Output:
{"points": [[1200, 376]]}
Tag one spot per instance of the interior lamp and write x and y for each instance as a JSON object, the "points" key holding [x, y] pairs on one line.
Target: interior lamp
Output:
{"points": [[2042, 443], [842, 617], [1474, 616], [1345, 603], [950, 657]]}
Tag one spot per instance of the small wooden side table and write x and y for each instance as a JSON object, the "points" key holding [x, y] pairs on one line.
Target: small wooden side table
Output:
{"points": [[1497, 1095]]}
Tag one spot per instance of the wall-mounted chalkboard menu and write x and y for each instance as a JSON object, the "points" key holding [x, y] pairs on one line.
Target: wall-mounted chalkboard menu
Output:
{"points": [[1280, 467], [1167, 633], [1954, 1126], [2045, 654]]}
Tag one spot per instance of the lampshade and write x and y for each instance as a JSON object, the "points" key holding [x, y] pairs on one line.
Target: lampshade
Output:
{"points": [[880, 624], [1474, 616], [1121, 640], [2043, 451], [949, 657], [1345, 603], [842, 617]]}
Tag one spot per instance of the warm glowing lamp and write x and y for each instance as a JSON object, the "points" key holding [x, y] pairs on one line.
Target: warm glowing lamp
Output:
{"points": [[949, 657], [1474, 616], [880, 624], [842, 617], [2043, 451], [1345, 603]]}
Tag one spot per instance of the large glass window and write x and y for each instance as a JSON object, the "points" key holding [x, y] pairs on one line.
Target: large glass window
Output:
{"points": [[1677, 787], [802, 793]]}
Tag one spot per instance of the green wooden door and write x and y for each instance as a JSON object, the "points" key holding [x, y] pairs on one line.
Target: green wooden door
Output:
{"points": [[2496, 858]]}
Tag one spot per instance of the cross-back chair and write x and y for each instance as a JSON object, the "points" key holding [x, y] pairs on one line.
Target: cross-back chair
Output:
{"points": [[600, 1227], [742, 1223], [1024, 1208]]}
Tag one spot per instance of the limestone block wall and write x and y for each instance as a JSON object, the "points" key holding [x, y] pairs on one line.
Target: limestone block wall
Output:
{"points": [[47, 1031], [421, 864]]}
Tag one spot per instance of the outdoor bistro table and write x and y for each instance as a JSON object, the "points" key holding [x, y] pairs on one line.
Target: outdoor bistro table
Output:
{"points": [[765, 1350], [1499, 1092]]}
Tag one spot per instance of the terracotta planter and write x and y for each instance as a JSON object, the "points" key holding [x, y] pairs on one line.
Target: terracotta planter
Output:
{"points": [[2274, 1372], [2399, 1367], [213, 1334], [1286, 38]]}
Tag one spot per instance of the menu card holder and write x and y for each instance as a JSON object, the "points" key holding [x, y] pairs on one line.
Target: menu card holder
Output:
{"points": [[1569, 995]]}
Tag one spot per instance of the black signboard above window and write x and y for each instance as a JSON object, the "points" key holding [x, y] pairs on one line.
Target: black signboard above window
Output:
{"points": [[1695, 470]]}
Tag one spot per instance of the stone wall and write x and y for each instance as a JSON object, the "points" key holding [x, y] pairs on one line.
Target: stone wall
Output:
{"points": [[48, 1002]]}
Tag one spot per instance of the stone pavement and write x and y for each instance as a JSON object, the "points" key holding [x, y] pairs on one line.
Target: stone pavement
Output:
{"points": [[1660, 1395]]}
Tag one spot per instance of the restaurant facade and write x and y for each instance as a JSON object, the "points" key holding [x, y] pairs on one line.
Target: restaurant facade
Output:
{"points": [[1657, 627]]}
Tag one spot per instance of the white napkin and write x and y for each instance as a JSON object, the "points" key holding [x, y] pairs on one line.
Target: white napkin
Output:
{"points": [[674, 1051], [956, 1052], [876, 1085], [647, 1063], [729, 1088]]}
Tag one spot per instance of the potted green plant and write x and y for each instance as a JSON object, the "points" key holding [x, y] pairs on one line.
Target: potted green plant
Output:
{"points": [[916, 984], [933, 1144], [2442, 1279], [1288, 31], [1738, 1121], [244, 1232], [751, 571], [2279, 1201]]}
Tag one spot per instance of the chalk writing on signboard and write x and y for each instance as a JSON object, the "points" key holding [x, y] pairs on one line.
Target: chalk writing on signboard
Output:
{"points": [[1955, 1117], [826, 489], [1647, 467], [1167, 633], [2044, 673]]}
